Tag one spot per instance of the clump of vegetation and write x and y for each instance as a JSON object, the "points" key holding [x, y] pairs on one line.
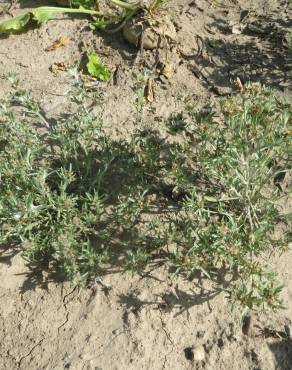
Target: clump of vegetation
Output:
{"points": [[96, 68], [229, 216], [103, 19], [38, 16], [202, 199]]}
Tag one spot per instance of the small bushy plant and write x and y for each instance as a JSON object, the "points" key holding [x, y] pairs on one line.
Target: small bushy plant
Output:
{"points": [[202, 198]]}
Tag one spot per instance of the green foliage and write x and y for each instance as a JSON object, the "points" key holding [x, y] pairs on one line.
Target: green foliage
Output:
{"points": [[96, 68], [204, 199], [15, 24], [45, 13], [39, 15], [228, 219], [86, 4]]}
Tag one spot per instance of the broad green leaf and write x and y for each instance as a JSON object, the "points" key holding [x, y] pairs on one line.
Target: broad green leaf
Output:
{"points": [[96, 68], [44, 14], [15, 24], [41, 14]]}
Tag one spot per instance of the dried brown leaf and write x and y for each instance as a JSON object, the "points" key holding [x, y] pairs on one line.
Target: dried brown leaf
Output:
{"points": [[60, 42], [58, 67], [149, 91]]}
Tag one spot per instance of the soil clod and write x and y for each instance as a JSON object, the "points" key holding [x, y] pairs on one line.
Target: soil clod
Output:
{"points": [[149, 32]]}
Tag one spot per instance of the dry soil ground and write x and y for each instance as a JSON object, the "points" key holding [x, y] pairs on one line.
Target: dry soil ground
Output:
{"points": [[149, 322]]}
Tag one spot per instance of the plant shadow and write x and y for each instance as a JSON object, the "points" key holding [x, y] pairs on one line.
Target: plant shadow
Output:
{"points": [[260, 53], [282, 351], [7, 254], [177, 300], [40, 275]]}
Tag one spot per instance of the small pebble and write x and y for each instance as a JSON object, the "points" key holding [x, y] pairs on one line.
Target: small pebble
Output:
{"points": [[199, 353]]}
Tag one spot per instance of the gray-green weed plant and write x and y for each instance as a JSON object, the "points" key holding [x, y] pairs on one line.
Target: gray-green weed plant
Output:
{"points": [[204, 199], [227, 222]]}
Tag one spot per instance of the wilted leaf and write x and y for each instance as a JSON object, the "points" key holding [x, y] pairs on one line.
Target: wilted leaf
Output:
{"points": [[40, 15], [15, 24], [96, 68], [149, 91], [167, 70], [239, 85], [43, 14]]}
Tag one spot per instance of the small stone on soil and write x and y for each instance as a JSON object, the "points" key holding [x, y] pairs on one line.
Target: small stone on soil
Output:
{"points": [[195, 353], [150, 32], [199, 353]]}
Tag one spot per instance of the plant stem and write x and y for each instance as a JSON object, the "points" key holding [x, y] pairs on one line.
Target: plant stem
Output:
{"points": [[68, 10], [127, 6]]}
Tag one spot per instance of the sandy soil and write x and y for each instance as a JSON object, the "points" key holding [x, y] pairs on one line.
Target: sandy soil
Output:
{"points": [[151, 321]]}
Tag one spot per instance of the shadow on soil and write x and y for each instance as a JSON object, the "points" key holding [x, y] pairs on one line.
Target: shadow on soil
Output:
{"points": [[282, 351], [6, 255], [179, 300], [260, 54], [254, 57], [36, 274]]}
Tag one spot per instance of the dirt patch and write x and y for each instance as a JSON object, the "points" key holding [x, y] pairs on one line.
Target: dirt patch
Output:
{"points": [[150, 322], [214, 45]]}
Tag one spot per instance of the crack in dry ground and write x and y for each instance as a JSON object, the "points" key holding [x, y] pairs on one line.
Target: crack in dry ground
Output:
{"points": [[30, 352], [64, 323], [164, 329]]}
